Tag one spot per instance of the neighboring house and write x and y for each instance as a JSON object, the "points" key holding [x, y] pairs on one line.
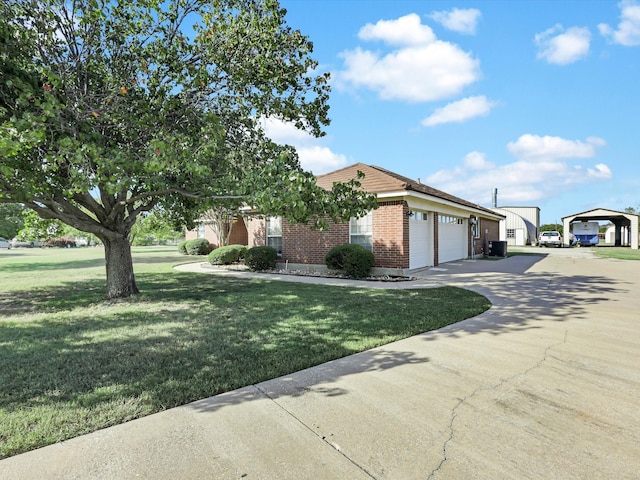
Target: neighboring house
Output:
{"points": [[415, 226], [238, 235], [521, 225]]}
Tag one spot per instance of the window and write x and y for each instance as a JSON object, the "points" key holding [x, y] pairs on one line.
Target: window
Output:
{"points": [[361, 231], [450, 219], [511, 233], [201, 233], [422, 216], [274, 233]]}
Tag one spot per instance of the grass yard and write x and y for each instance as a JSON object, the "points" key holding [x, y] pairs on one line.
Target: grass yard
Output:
{"points": [[73, 363], [619, 253]]}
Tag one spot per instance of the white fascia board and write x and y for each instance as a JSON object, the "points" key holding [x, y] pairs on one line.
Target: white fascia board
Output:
{"points": [[408, 195]]}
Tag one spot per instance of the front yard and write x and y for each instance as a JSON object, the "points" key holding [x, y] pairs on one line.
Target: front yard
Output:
{"points": [[73, 363]]}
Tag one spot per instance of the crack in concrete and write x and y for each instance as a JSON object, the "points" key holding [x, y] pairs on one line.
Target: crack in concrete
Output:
{"points": [[333, 445], [454, 411]]}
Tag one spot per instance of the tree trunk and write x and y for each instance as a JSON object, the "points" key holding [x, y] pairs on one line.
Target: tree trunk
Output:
{"points": [[121, 282]]}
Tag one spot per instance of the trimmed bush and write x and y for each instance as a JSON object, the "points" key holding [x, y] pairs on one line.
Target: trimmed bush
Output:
{"points": [[261, 258], [355, 260], [227, 255], [334, 259], [198, 246], [182, 247]]}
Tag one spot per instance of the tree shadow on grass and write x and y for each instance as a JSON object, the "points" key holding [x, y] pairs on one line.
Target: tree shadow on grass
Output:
{"points": [[183, 340]]}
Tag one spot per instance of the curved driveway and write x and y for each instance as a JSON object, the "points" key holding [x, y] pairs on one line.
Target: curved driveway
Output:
{"points": [[544, 385]]}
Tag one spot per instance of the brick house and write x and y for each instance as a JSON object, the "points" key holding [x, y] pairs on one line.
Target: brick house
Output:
{"points": [[415, 226], [238, 235]]}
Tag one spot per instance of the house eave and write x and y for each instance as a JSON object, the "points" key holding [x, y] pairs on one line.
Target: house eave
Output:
{"points": [[407, 194]]}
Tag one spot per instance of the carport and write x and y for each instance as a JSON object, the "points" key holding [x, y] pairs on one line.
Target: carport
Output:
{"points": [[623, 221]]}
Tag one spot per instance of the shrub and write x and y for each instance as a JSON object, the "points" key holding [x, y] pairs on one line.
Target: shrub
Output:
{"points": [[355, 260], [182, 247], [261, 258], [334, 259], [227, 255], [198, 246]]}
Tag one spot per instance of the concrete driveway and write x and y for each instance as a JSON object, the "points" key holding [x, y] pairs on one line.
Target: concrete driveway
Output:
{"points": [[544, 385]]}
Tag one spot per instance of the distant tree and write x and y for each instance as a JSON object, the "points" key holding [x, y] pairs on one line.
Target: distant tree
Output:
{"points": [[11, 220], [37, 228], [111, 109], [551, 227], [632, 210], [152, 228]]}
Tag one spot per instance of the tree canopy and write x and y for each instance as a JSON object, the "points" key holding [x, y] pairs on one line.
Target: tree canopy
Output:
{"points": [[11, 220], [109, 109]]}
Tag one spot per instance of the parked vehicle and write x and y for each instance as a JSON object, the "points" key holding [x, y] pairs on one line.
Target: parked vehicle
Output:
{"points": [[550, 238], [15, 243], [60, 242], [587, 232], [4, 243]]}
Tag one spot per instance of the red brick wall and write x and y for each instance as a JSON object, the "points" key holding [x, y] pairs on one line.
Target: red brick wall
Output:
{"points": [[489, 231], [301, 244], [256, 232], [391, 235]]}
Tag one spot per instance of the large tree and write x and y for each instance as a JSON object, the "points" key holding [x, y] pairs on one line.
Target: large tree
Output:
{"points": [[109, 109]]}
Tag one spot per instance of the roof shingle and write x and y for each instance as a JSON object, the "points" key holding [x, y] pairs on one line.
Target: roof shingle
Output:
{"points": [[380, 180]]}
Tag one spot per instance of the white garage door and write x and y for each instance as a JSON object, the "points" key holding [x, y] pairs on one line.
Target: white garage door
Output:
{"points": [[420, 243], [452, 239]]}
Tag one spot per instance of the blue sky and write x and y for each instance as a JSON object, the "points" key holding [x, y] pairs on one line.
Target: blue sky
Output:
{"points": [[539, 99]]}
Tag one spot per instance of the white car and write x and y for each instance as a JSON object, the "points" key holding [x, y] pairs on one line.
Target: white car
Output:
{"points": [[550, 238], [4, 243]]}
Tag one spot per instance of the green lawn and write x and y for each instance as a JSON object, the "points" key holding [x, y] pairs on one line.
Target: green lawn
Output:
{"points": [[73, 362], [620, 253]]}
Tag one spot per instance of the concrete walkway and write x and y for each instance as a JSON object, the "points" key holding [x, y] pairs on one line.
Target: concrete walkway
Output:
{"points": [[544, 385]]}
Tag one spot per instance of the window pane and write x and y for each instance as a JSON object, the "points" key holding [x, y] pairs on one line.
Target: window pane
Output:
{"points": [[274, 233], [361, 230], [275, 242], [274, 226]]}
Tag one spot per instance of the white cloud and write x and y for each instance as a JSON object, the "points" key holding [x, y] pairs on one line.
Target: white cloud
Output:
{"points": [[320, 160], [600, 171], [420, 68], [628, 32], [536, 174], [458, 20], [313, 156], [530, 147], [477, 161], [460, 111], [563, 48], [285, 132], [407, 30]]}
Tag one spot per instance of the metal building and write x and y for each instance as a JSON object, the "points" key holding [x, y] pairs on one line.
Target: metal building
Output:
{"points": [[522, 225]]}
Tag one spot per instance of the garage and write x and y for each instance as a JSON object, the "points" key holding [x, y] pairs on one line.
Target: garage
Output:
{"points": [[626, 225], [453, 238], [420, 241]]}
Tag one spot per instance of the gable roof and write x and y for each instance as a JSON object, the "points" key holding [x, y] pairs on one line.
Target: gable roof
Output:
{"points": [[380, 180], [600, 214]]}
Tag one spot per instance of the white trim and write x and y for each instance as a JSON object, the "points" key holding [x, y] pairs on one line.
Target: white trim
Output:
{"points": [[406, 194]]}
